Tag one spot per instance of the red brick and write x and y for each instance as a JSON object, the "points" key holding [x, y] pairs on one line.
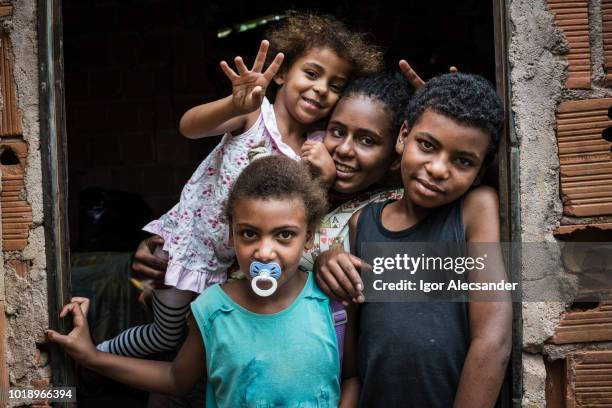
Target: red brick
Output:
{"points": [[22, 268]]}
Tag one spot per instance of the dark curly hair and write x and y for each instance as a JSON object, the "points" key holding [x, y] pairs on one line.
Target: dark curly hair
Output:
{"points": [[301, 31], [278, 177], [466, 98], [390, 88]]}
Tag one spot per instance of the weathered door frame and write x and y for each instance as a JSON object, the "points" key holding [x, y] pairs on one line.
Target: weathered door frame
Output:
{"points": [[55, 176], [509, 194], [54, 157]]}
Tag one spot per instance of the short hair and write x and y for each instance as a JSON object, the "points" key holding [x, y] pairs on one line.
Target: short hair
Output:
{"points": [[391, 89], [465, 98], [278, 177], [302, 31]]}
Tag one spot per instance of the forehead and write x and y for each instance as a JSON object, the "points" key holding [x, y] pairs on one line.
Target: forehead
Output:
{"points": [[361, 111], [326, 58], [452, 134], [269, 213]]}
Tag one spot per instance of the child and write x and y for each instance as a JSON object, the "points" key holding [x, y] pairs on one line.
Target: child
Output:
{"points": [[433, 354], [320, 56], [279, 350], [360, 137]]}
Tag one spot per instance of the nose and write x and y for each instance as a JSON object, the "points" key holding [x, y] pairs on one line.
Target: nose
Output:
{"points": [[438, 168], [320, 87], [346, 147], [265, 251]]}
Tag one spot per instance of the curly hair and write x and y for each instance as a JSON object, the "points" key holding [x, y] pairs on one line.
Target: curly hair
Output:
{"points": [[301, 31], [390, 88], [278, 177], [466, 98]]}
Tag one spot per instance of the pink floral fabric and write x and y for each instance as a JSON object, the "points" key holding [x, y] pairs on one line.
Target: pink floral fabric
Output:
{"points": [[196, 236]]}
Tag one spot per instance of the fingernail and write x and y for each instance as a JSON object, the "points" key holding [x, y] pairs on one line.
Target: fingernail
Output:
{"points": [[359, 287], [345, 303], [361, 299]]}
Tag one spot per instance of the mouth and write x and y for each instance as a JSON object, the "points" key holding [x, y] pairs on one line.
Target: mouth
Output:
{"points": [[428, 188], [312, 102], [344, 171]]}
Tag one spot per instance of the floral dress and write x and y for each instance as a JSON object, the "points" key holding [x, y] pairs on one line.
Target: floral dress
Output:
{"points": [[195, 233]]}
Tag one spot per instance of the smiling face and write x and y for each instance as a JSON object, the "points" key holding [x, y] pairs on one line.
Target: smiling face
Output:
{"points": [[312, 85], [441, 159], [270, 231], [359, 138]]}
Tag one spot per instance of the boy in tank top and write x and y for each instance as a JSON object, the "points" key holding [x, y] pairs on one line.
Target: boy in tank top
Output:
{"points": [[432, 354]]}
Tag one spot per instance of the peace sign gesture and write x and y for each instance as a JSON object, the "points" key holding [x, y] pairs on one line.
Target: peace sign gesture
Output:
{"points": [[249, 86]]}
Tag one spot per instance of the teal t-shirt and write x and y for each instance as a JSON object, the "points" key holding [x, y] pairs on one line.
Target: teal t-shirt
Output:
{"points": [[286, 359]]}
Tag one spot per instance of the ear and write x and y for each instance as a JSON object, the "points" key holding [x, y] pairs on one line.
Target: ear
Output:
{"points": [[279, 79], [401, 139], [309, 240], [395, 164]]}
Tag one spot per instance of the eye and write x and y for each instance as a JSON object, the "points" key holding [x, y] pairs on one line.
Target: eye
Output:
{"points": [[310, 73], [463, 162], [426, 146], [336, 132], [336, 88], [247, 233], [366, 141], [286, 235]]}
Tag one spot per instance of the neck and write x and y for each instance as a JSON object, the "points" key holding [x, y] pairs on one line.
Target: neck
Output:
{"points": [[292, 132], [404, 214]]}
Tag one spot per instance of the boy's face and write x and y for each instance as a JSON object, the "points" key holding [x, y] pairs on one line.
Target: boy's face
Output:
{"points": [[312, 85], [270, 231], [441, 159], [359, 139]]}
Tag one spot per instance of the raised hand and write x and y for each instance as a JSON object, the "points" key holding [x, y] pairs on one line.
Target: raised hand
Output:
{"points": [[318, 158], [249, 86], [410, 74], [78, 342], [414, 78]]}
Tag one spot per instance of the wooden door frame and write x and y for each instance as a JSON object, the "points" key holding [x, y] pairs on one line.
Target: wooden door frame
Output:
{"points": [[55, 177], [509, 195]]}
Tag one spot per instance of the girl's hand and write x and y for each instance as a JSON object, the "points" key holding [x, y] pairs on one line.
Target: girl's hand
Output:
{"points": [[410, 74], [146, 264], [249, 87], [78, 342], [320, 161], [414, 78], [336, 274]]}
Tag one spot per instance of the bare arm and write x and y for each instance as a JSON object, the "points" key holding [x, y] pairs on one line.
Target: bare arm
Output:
{"points": [[236, 112], [350, 381], [177, 378], [490, 321]]}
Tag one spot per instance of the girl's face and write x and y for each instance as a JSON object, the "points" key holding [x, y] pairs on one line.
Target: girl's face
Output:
{"points": [[311, 86], [360, 140], [441, 159], [270, 231]]}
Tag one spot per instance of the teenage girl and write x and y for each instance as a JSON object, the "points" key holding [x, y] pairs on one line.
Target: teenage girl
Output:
{"points": [[279, 350], [320, 56]]}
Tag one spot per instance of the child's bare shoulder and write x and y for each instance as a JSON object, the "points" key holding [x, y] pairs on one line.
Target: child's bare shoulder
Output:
{"points": [[481, 214]]}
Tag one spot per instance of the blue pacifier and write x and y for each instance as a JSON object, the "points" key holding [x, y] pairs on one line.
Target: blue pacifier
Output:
{"points": [[264, 272]]}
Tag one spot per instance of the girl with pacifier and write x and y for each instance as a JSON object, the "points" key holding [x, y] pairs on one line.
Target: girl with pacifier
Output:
{"points": [[260, 343], [314, 58]]}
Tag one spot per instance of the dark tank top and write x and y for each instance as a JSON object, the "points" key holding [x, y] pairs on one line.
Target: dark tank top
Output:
{"points": [[411, 354]]}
